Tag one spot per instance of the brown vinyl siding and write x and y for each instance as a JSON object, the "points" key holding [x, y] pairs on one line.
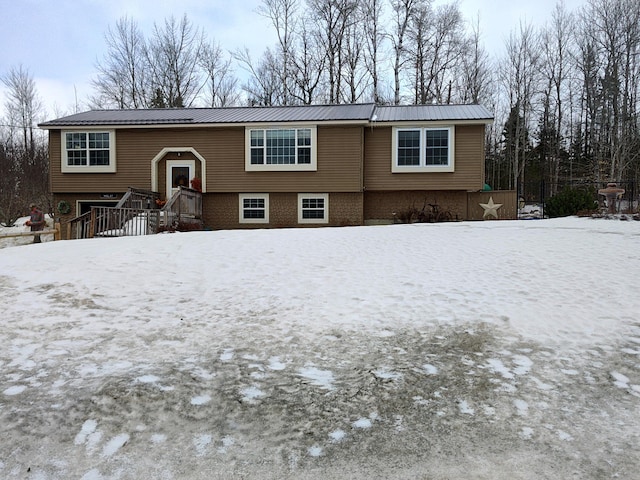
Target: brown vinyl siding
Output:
{"points": [[339, 150], [469, 164], [133, 167], [339, 163]]}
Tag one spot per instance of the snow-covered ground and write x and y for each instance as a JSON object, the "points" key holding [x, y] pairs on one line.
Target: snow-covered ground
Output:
{"points": [[531, 212], [20, 227], [495, 350]]}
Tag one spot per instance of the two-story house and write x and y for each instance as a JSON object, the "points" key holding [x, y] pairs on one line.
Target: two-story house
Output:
{"points": [[276, 166]]}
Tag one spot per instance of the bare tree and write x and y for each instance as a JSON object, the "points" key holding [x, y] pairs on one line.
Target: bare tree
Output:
{"points": [[332, 19], [556, 41], [590, 104], [282, 14], [355, 73], [24, 165], [372, 12], [519, 74], [12, 203], [448, 47], [435, 47], [609, 47], [173, 55], [123, 74], [474, 72], [418, 48], [630, 91], [263, 86], [403, 13], [22, 105], [616, 35], [308, 65], [221, 90]]}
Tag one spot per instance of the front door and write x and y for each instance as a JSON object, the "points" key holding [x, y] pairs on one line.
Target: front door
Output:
{"points": [[179, 174]]}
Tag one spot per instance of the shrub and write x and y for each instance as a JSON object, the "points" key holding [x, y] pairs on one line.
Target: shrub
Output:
{"points": [[570, 201], [189, 226], [181, 227], [406, 215]]}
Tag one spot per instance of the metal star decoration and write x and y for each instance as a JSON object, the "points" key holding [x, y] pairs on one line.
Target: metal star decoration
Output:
{"points": [[490, 208]]}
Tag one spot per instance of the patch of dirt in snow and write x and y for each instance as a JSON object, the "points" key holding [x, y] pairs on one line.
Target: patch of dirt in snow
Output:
{"points": [[442, 402]]}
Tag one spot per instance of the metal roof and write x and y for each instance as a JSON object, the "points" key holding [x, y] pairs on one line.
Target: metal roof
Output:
{"points": [[364, 113], [195, 116], [414, 113]]}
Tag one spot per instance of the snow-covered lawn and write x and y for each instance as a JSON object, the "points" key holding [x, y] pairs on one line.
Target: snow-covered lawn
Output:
{"points": [[20, 227], [495, 350]]}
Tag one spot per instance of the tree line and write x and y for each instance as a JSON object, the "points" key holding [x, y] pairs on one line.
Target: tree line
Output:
{"points": [[327, 52], [567, 100], [24, 158], [565, 95]]}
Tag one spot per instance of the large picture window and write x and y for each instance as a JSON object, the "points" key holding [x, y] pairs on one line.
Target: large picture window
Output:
{"points": [[88, 152], [254, 208], [281, 149], [423, 149], [313, 208]]}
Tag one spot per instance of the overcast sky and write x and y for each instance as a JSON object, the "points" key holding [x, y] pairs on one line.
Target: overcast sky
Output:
{"points": [[60, 41]]}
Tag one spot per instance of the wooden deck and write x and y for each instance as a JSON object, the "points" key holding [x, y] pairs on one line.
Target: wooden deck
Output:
{"points": [[137, 213]]}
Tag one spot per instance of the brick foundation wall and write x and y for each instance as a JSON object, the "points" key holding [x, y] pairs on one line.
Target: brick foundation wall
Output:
{"points": [[346, 209], [380, 206], [221, 211]]}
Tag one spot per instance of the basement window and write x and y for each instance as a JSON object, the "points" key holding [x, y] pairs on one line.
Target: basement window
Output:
{"points": [[254, 208], [313, 208]]}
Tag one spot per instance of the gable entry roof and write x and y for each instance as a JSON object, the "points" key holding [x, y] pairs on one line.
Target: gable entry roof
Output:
{"points": [[358, 113]]}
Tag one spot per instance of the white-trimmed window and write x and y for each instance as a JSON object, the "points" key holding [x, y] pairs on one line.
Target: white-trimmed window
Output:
{"points": [[423, 149], [254, 207], [280, 149], [88, 151], [313, 208]]}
